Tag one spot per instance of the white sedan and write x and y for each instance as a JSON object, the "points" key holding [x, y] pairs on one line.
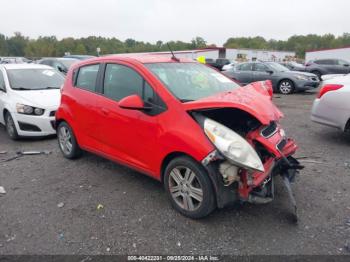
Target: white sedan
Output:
{"points": [[29, 97], [332, 105]]}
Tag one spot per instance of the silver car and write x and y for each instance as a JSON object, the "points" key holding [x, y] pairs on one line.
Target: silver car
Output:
{"points": [[332, 105]]}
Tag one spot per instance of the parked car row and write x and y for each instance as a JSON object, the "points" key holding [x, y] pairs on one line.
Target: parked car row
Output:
{"points": [[318, 67], [283, 80], [221, 149], [14, 60]]}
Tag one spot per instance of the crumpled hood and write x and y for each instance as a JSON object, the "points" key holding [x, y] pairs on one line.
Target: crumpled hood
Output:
{"points": [[41, 98], [253, 99]]}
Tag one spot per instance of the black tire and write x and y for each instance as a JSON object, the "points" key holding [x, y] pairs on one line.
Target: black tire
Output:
{"points": [[317, 73], [11, 127], [73, 151], [189, 189], [285, 87]]}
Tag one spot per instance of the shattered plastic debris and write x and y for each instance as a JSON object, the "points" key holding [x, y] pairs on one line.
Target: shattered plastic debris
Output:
{"points": [[60, 205], [100, 206], [25, 153], [30, 153], [2, 190], [178, 243], [108, 249], [10, 238]]}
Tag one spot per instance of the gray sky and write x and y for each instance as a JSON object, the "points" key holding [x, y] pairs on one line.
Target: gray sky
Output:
{"points": [[152, 20]]}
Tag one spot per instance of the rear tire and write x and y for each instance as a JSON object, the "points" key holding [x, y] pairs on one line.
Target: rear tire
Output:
{"points": [[11, 127], [67, 141], [189, 188], [286, 87]]}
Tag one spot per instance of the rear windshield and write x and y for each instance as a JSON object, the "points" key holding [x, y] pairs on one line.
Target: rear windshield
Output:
{"points": [[34, 79], [191, 81]]}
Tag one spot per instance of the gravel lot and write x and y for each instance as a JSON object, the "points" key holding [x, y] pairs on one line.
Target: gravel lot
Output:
{"points": [[136, 217]]}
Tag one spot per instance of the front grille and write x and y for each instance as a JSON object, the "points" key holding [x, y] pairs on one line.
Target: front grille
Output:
{"points": [[52, 113], [28, 127], [269, 130], [281, 144]]}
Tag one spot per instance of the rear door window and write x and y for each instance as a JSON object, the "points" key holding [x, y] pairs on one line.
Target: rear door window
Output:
{"points": [[245, 67], [261, 67], [87, 77]]}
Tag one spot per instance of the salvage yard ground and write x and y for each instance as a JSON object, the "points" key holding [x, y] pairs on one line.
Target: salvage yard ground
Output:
{"points": [[50, 205]]}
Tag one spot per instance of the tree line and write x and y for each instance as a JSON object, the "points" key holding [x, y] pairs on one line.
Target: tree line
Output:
{"points": [[45, 46]]}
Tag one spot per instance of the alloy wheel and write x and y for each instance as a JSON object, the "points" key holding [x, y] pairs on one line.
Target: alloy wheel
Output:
{"points": [[65, 140], [286, 87], [185, 188]]}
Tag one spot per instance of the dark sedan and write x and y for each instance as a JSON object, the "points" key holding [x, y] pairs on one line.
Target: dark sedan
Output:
{"points": [[60, 64], [283, 80]]}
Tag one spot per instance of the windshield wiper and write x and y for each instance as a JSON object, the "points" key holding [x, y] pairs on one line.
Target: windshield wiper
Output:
{"points": [[21, 88], [52, 87]]}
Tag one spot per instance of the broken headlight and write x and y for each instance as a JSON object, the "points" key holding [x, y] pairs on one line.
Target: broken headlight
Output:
{"points": [[234, 147]]}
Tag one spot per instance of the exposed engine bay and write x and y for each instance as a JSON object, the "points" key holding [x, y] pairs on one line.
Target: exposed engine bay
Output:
{"points": [[249, 156]]}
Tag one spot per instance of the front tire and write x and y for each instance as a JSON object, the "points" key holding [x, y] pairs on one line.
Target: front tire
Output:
{"points": [[11, 127], [189, 188], [67, 141], [286, 87]]}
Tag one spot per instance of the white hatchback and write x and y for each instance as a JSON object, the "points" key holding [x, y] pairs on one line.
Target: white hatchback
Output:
{"points": [[29, 97]]}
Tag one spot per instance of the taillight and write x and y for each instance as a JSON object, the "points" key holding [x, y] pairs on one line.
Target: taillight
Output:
{"points": [[327, 88]]}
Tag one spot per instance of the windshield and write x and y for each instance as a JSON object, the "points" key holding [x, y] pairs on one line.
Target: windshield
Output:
{"points": [[34, 79], [68, 62], [277, 67], [191, 81]]}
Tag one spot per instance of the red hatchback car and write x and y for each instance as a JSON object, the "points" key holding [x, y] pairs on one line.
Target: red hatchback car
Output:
{"points": [[208, 140]]}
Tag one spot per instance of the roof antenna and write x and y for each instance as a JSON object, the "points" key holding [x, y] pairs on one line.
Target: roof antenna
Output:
{"points": [[173, 57]]}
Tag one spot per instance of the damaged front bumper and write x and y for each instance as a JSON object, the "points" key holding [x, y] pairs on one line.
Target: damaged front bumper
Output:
{"points": [[234, 184]]}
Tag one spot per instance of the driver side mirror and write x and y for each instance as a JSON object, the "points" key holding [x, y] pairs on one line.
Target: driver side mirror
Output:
{"points": [[347, 65], [269, 71], [133, 102]]}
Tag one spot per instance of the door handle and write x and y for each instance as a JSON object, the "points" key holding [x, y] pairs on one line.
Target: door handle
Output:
{"points": [[105, 111]]}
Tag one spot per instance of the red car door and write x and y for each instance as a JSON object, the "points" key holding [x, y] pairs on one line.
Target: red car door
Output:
{"points": [[128, 135], [83, 105]]}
